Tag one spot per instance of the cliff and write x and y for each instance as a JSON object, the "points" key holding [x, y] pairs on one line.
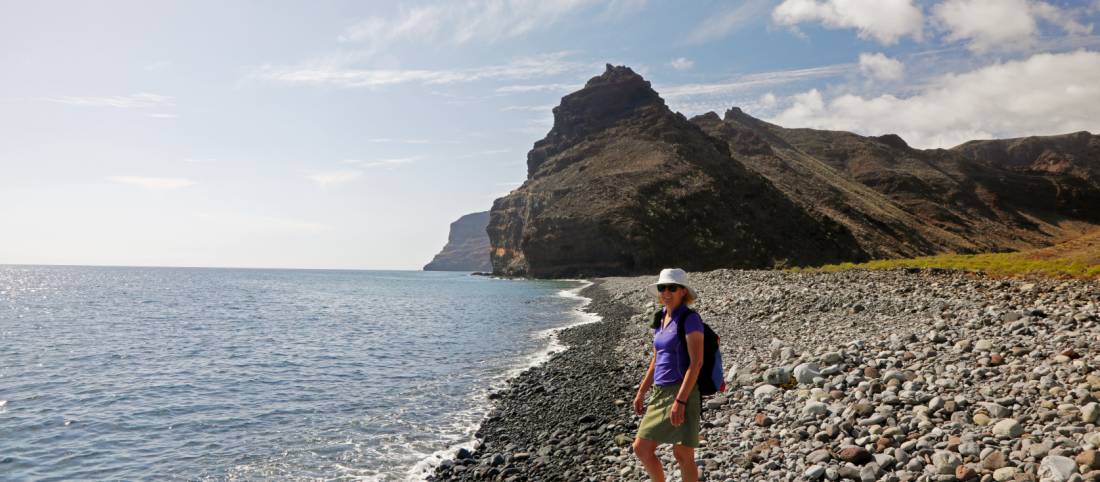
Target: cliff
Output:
{"points": [[900, 202], [467, 247], [622, 185]]}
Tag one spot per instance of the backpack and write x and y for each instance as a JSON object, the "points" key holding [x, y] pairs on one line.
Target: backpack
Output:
{"points": [[710, 380]]}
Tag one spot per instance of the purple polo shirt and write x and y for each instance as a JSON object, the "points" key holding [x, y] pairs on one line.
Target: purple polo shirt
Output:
{"points": [[673, 359]]}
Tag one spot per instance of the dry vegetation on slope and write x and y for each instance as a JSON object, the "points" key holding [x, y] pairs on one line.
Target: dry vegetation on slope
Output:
{"points": [[1077, 258]]}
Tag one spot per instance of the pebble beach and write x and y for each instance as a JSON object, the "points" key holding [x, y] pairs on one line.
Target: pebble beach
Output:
{"points": [[901, 375]]}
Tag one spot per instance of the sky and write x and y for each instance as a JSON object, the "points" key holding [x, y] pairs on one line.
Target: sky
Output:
{"points": [[349, 134]]}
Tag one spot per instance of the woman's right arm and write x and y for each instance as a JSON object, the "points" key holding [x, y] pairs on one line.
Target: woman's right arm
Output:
{"points": [[647, 382]]}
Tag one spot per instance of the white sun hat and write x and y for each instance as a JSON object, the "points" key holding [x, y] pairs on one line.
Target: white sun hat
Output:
{"points": [[672, 276]]}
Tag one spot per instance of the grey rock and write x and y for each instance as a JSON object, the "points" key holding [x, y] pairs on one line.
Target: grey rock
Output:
{"points": [[815, 472], [1057, 468], [1008, 428], [945, 462], [806, 372]]}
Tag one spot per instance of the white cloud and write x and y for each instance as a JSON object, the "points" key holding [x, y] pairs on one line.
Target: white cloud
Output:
{"points": [[161, 115], [484, 20], [389, 163], [682, 63], [720, 24], [487, 152], [1042, 95], [520, 89], [1001, 24], [335, 75], [390, 140], [886, 21], [878, 66], [327, 179], [529, 108], [419, 22], [154, 183], [754, 80], [139, 100]]}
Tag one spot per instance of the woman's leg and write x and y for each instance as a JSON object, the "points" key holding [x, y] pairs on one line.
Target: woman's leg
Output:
{"points": [[646, 451], [685, 456]]}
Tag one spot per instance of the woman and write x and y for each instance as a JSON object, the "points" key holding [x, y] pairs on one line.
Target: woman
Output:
{"points": [[672, 411]]}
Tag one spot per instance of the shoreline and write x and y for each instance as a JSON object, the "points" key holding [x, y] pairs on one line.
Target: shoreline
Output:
{"points": [[893, 375], [545, 403], [578, 317]]}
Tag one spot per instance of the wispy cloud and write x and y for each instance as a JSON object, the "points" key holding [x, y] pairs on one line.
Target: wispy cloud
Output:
{"points": [[520, 89], [729, 20], [331, 74], [487, 152], [528, 108], [761, 79], [327, 179], [391, 140], [138, 100], [153, 183], [682, 63], [390, 163], [462, 22]]}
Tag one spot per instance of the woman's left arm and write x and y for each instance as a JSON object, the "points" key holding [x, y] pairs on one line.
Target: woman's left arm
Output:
{"points": [[695, 352]]}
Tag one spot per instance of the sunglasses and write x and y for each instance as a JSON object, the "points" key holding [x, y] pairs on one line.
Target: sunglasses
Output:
{"points": [[670, 288]]}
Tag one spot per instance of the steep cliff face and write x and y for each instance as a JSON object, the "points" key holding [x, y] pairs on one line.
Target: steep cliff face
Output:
{"points": [[881, 228], [622, 185], [900, 201], [467, 247], [1076, 154]]}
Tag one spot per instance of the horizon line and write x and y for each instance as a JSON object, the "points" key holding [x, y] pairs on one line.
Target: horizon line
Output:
{"points": [[64, 265]]}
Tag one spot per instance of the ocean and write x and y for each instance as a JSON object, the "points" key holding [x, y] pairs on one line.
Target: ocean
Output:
{"points": [[246, 374]]}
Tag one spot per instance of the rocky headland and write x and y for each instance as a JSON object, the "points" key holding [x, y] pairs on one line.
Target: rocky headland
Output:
{"points": [[619, 172], [467, 247], [901, 375]]}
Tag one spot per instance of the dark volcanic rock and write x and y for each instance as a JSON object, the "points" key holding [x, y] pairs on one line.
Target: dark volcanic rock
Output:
{"points": [[467, 247], [623, 185], [1076, 154], [900, 202]]}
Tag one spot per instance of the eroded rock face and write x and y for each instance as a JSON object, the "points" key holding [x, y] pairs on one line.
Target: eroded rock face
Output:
{"points": [[900, 202], [623, 185], [467, 247]]}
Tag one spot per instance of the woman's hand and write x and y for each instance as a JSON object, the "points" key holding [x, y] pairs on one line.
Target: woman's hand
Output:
{"points": [[639, 404], [676, 415]]}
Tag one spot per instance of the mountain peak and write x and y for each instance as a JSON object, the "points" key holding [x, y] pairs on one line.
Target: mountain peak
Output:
{"points": [[617, 94], [615, 74]]}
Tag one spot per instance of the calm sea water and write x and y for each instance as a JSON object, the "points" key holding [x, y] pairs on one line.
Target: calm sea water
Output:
{"points": [[174, 373]]}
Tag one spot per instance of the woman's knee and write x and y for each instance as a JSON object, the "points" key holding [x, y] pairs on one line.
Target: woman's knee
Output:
{"points": [[644, 449], [683, 454]]}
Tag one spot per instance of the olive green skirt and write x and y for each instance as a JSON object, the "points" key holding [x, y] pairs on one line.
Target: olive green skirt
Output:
{"points": [[656, 424]]}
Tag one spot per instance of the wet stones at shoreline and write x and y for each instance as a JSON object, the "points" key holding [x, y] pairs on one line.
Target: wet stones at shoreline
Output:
{"points": [[877, 376]]}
